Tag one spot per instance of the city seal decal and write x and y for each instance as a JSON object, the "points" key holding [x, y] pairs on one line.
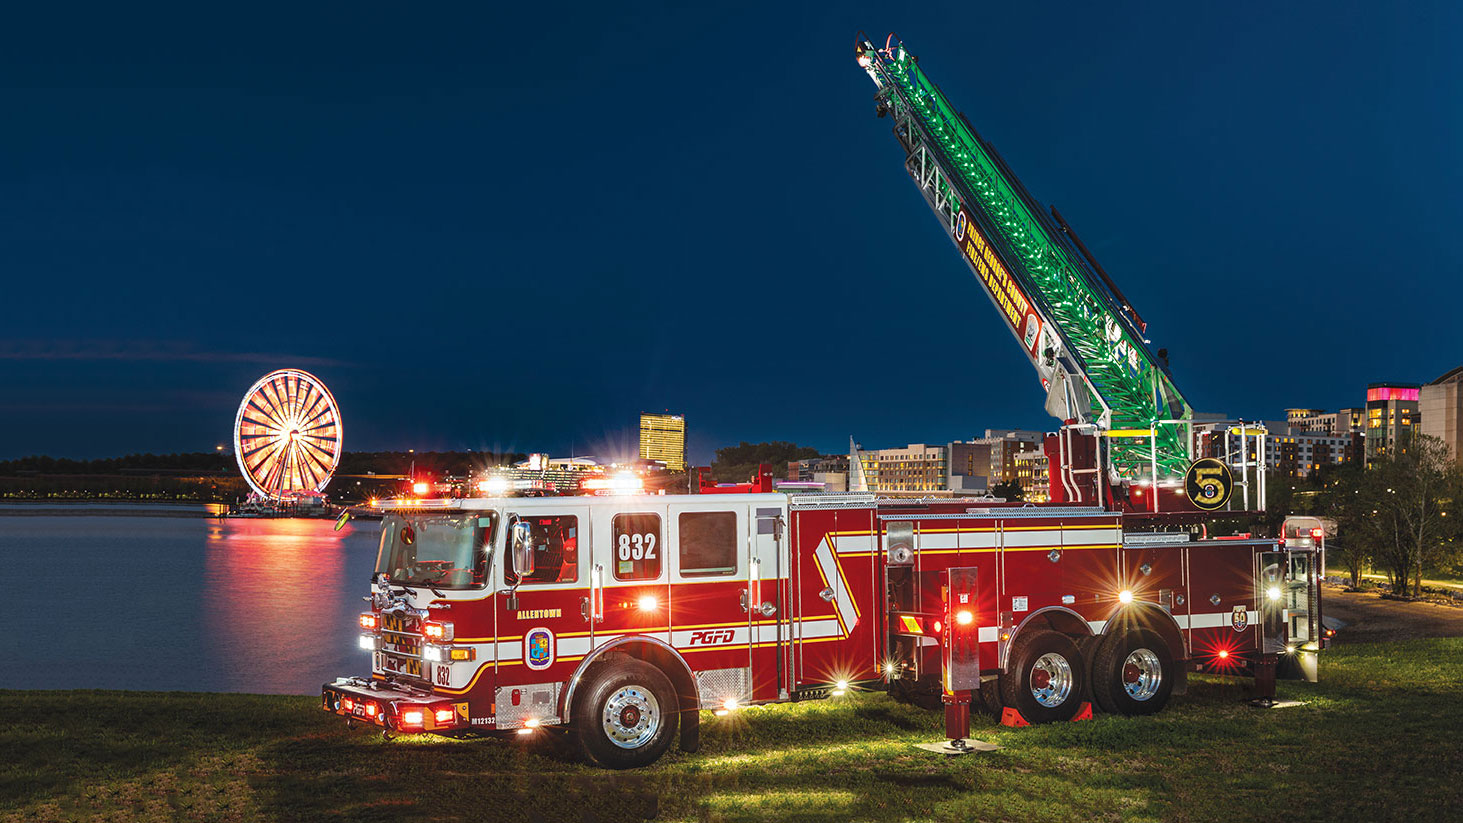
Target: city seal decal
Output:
{"points": [[538, 648], [1239, 619]]}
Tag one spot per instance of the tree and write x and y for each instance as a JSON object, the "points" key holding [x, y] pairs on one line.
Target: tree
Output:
{"points": [[738, 464], [1340, 500], [1401, 507], [1009, 490]]}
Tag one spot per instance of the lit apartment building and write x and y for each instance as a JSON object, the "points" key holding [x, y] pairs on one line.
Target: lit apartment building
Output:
{"points": [[1391, 418]]}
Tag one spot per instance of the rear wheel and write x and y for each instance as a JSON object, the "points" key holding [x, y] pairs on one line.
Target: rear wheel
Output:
{"points": [[1133, 673], [1045, 678], [625, 714], [989, 697]]}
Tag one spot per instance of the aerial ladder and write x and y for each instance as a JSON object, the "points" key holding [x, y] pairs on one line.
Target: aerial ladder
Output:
{"points": [[1127, 432]]}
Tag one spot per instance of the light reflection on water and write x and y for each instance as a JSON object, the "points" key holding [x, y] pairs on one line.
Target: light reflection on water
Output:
{"points": [[189, 603]]}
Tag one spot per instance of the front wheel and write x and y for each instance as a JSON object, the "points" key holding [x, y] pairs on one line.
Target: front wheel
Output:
{"points": [[1132, 673], [625, 714], [1045, 678]]}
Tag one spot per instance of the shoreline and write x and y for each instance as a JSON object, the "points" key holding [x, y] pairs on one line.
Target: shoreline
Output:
{"points": [[92, 512], [125, 508]]}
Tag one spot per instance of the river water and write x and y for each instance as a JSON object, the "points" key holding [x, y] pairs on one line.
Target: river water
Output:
{"points": [[163, 597]]}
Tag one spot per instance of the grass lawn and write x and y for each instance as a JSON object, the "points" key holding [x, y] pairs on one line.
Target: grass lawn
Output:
{"points": [[1380, 738]]}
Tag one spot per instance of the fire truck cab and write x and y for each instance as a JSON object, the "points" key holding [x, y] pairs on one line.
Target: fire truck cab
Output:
{"points": [[621, 618]]}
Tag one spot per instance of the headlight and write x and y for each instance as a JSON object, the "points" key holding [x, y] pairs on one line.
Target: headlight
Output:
{"points": [[368, 642], [432, 653]]}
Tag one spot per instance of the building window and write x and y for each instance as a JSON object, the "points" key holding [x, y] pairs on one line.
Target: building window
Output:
{"points": [[708, 543]]}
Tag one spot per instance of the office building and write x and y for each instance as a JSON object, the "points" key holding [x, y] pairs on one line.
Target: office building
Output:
{"points": [[1441, 405], [958, 467], [1032, 475], [663, 438], [831, 470], [1005, 444], [916, 467], [1289, 452], [968, 465], [1350, 421], [1311, 420]]}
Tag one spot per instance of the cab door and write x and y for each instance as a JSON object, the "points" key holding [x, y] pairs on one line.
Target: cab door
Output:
{"points": [[544, 623]]}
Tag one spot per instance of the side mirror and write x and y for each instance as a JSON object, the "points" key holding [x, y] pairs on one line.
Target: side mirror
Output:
{"points": [[522, 549]]}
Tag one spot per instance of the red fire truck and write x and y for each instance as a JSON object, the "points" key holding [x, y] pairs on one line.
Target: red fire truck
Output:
{"points": [[620, 618]]}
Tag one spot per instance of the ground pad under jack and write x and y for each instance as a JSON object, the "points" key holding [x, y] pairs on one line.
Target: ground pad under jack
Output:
{"points": [[970, 747], [1262, 703]]}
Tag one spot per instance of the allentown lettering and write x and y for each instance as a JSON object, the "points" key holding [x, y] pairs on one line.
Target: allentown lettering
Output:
{"points": [[539, 614]]}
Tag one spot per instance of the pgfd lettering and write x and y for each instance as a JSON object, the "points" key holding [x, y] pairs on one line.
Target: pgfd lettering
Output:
{"points": [[712, 637]]}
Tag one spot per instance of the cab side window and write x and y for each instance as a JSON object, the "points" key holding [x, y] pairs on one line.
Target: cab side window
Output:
{"points": [[555, 541], [637, 546], [708, 543]]}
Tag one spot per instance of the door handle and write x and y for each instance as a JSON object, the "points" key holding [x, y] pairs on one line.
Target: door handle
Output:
{"points": [[746, 600], [584, 608], [598, 590]]}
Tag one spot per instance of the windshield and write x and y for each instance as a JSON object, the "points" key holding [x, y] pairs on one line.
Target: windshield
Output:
{"points": [[448, 552]]}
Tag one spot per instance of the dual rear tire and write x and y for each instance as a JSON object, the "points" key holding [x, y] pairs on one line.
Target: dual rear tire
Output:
{"points": [[1130, 672], [1045, 678]]}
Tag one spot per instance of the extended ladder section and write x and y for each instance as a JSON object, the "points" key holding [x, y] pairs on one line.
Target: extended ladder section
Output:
{"points": [[1075, 326]]}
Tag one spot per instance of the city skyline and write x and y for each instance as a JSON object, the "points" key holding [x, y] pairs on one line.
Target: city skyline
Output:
{"points": [[446, 310]]}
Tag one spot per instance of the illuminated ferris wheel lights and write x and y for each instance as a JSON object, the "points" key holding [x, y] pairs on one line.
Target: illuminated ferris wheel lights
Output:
{"points": [[287, 434]]}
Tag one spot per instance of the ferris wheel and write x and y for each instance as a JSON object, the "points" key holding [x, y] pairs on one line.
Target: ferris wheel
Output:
{"points": [[287, 434]]}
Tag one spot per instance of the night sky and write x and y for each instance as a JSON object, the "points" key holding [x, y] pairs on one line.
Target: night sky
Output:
{"points": [[518, 229]]}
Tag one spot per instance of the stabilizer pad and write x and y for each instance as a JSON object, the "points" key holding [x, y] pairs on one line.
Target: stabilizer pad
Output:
{"points": [[1270, 703], [970, 747]]}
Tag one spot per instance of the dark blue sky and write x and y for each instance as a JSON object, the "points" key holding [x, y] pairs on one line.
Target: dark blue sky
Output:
{"points": [[519, 229]]}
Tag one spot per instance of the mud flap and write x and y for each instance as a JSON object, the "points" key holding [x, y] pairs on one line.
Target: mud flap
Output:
{"points": [[690, 730]]}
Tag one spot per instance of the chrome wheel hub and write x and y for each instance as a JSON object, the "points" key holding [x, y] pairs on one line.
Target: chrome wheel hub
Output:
{"points": [[631, 717], [1142, 674], [1051, 680]]}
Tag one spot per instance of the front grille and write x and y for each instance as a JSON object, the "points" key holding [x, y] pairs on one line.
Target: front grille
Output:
{"points": [[401, 643]]}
